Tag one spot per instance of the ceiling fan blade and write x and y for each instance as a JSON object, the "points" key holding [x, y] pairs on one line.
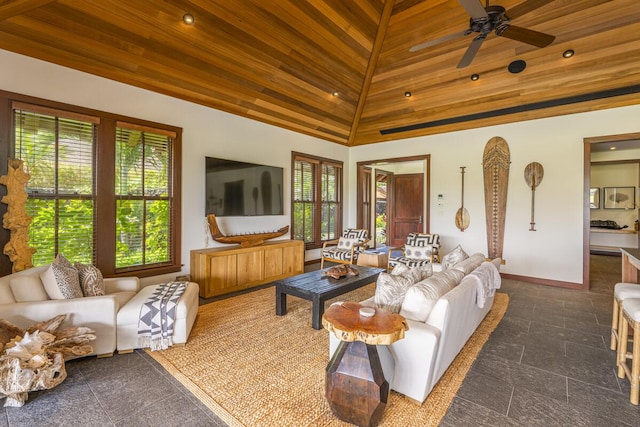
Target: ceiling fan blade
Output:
{"points": [[437, 41], [526, 7], [474, 8], [524, 35], [473, 48]]}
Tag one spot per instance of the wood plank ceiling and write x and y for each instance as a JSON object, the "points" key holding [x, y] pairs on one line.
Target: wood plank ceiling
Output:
{"points": [[281, 61]]}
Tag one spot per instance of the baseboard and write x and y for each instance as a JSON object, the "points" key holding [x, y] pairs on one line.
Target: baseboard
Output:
{"points": [[540, 281]]}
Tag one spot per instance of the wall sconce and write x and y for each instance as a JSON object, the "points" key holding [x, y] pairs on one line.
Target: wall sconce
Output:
{"points": [[188, 19], [568, 53], [474, 77]]}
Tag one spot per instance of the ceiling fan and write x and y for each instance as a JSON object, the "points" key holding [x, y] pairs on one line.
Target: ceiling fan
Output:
{"points": [[484, 20]]}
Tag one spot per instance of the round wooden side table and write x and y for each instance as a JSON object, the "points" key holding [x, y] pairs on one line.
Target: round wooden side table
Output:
{"points": [[355, 386]]}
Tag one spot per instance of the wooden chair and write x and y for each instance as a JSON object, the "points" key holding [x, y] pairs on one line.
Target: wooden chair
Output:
{"points": [[345, 250], [420, 249]]}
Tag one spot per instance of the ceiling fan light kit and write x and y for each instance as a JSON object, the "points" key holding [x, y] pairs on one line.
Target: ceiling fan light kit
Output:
{"points": [[484, 20]]}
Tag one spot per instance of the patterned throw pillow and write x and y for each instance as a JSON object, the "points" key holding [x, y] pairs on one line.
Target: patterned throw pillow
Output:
{"points": [[61, 282], [422, 297], [424, 270], [453, 257], [418, 252], [346, 243], [391, 289], [91, 280], [61, 260]]}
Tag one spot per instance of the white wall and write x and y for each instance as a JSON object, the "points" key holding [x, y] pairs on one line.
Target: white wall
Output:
{"points": [[552, 252], [206, 132]]}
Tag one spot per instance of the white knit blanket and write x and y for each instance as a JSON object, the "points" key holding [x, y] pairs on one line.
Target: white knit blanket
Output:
{"points": [[487, 281], [158, 316]]}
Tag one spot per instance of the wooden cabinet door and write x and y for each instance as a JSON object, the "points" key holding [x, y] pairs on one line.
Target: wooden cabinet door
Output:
{"points": [[222, 276], [293, 259], [250, 267], [273, 262]]}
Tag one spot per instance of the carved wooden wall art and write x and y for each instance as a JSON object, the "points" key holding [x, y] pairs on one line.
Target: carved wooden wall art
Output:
{"points": [[495, 164]]}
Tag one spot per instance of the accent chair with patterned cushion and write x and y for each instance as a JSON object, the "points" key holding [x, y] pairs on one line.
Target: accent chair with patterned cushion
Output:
{"points": [[420, 249], [346, 249]]}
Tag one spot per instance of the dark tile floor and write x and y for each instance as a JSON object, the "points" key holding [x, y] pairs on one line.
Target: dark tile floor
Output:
{"points": [[548, 363]]}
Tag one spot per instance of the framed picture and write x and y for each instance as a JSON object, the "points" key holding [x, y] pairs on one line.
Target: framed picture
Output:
{"points": [[619, 197], [594, 198]]}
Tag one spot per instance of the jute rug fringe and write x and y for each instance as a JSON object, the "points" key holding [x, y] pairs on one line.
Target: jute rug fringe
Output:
{"points": [[253, 368]]}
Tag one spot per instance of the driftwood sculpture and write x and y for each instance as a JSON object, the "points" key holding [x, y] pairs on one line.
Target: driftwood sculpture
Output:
{"points": [[33, 359], [16, 219], [245, 240]]}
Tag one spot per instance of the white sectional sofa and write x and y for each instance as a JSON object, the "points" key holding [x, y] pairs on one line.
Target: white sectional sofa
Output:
{"points": [[438, 329], [113, 317]]}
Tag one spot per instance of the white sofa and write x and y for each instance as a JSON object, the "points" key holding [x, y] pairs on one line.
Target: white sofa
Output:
{"points": [[113, 317], [414, 365]]}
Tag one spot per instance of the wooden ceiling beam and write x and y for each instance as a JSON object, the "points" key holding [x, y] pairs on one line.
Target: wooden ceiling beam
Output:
{"points": [[371, 67], [18, 7]]}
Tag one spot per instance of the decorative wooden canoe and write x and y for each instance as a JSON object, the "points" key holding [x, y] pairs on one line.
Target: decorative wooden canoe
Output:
{"points": [[245, 240], [495, 163]]}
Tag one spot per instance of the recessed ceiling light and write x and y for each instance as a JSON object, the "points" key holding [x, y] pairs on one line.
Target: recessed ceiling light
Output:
{"points": [[474, 77], [568, 53], [407, 94], [612, 148], [188, 19], [335, 93]]}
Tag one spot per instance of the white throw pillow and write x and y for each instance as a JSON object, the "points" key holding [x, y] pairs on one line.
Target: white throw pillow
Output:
{"points": [[418, 252], [390, 289], [61, 282], [424, 270], [27, 288], [346, 243], [91, 280], [470, 264], [453, 257], [422, 297]]}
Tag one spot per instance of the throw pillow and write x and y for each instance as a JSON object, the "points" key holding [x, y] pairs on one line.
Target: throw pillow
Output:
{"points": [[27, 288], [346, 243], [418, 252], [453, 257], [61, 282], [470, 264], [91, 280], [61, 260], [424, 270], [422, 297], [390, 289]]}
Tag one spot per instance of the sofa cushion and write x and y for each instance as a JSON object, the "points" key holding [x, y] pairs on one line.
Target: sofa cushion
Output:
{"points": [[28, 287], [453, 257], [61, 282], [91, 280], [391, 288], [470, 264], [421, 297], [424, 270]]}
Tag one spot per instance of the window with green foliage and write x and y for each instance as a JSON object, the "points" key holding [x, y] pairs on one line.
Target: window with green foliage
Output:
{"points": [[58, 153], [143, 197], [316, 199], [101, 190]]}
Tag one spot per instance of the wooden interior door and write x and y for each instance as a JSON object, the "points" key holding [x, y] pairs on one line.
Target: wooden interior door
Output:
{"points": [[406, 207]]}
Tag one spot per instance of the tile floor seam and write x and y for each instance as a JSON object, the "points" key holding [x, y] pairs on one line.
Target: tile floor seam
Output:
{"points": [[95, 396]]}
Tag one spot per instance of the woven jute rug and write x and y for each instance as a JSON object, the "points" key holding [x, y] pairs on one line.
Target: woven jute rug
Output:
{"points": [[253, 368]]}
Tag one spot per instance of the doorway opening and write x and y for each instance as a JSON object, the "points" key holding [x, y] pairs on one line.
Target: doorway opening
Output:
{"points": [[393, 198], [601, 153]]}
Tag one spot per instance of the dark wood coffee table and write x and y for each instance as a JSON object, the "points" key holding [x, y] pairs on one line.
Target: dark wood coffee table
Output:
{"points": [[317, 288]]}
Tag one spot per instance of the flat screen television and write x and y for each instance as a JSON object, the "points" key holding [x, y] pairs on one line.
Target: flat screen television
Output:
{"points": [[242, 189]]}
